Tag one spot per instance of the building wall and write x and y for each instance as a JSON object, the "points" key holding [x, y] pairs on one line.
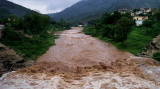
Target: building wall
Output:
{"points": [[140, 18], [149, 10], [139, 22]]}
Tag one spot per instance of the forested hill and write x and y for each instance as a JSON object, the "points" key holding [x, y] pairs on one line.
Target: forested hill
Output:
{"points": [[85, 8], [7, 8]]}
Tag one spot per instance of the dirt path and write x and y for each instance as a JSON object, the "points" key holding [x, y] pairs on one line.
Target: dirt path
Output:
{"points": [[84, 62]]}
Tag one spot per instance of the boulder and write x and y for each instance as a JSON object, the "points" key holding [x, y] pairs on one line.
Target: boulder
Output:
{"points": [[151, 48]]}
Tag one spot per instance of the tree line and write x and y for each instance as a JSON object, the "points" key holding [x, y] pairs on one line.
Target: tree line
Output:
{"points": [[117, 26], [34, 23]]}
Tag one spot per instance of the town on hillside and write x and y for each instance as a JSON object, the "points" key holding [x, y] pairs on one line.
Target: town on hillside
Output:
{"points": [[139, 14]]}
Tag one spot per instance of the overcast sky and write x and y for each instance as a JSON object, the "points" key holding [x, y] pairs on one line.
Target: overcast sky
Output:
{"points": [[46, 6]]}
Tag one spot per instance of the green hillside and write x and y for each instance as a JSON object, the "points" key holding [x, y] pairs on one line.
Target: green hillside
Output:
{"points": [[7, 8]]}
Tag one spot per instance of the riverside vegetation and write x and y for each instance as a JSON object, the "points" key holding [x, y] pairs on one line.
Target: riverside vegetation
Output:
{"points": [[32, 35], [120, 30]]}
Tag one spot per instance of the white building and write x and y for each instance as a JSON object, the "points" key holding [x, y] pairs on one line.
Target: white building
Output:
{"points": [[139, 22], [140, 19]]}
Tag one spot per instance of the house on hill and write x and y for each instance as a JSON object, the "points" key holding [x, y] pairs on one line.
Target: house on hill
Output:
{"points": [[122, 11], [140, 19], [143, 11], [146, 10]]}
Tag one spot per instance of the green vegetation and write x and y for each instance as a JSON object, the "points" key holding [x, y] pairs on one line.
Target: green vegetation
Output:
{"points": [[119, 30], [7, 8], [114, 26], [32, 35], [61, 25], [123, 28], [0, 75], [31, 24], [156, 56], [135, 42], [30, 47]]}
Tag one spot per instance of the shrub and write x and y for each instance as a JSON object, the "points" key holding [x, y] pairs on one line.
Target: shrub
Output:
{"points": [[156, 56], [31, 47], [155, 30], [108, 31]]}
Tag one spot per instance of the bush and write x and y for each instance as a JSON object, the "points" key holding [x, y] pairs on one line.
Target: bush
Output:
{"points": [[35, 23], [155, 30], [107, 31], [90, 31], [31, 47], [156, 56]]}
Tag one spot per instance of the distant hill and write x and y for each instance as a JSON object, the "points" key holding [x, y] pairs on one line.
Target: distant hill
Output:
{"points": [[7, 8], [86, 9]]}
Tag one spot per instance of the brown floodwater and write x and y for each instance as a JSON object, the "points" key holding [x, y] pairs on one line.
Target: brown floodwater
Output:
{"points": [[75, 49]]}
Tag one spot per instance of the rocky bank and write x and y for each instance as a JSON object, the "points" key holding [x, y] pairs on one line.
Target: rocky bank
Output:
{"points": [[152, 47], [8, 57]]}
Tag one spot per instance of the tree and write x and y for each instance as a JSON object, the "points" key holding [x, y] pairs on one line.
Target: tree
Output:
{"points": [[108, 30], [148, 24], [36, 23], [123, 28], [14, 21], [107, 19], [155, 29], [111, 18], [128, 15], [157, 16], [116, 16]]}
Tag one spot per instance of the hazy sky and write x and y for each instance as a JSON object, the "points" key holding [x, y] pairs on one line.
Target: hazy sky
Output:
{"points": [[45, 6]]}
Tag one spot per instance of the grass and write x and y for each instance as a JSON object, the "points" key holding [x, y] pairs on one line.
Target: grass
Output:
{"points": [[136, 42], [30, 47]]}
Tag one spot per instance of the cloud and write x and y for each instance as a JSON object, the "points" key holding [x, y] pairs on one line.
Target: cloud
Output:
{"points": [[46, 6]]}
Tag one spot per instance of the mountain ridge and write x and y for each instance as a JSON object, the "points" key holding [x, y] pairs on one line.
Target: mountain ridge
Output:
{"points": [[7, 8], [85, 8]]}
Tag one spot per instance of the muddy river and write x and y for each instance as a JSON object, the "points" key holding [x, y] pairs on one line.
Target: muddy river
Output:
{"points": [[79, 61]]}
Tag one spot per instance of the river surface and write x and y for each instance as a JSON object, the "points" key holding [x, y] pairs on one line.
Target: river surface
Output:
{"points": [[75, 49]]}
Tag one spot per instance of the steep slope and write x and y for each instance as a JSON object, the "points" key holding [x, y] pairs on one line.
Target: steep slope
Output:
{"points": [[7, 8], [85, 8], [8, 57]]}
